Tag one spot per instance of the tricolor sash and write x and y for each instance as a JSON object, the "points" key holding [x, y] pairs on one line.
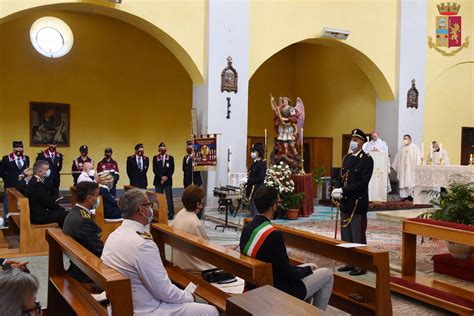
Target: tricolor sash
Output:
{"points": [[257, 238]]}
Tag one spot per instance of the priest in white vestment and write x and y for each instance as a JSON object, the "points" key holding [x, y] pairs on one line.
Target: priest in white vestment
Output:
{"points": [[376, 144], [404, 164], [439, 156], [187, 220]]}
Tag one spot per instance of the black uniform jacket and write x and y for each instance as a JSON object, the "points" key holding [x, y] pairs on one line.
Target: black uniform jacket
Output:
{"points": [[9, 170], [40, 200], [81, 227], [137, 177], [190, 176], [257, 172], [161, 170], [55, 165], [354, 180], [286, 277]]}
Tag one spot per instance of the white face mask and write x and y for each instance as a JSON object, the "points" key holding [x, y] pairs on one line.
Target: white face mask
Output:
{"points": [[253, 154], [91, 173], [48, 173], [150, 217], [354, 146], [96, 204]]}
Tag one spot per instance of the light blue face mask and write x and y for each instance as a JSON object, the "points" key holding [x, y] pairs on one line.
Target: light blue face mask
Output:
{"points": [[96, 204], [354, 146], [48, 173]]}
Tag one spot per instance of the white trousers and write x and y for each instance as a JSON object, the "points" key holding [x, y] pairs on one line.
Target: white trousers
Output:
{"points": [[191, 309]]}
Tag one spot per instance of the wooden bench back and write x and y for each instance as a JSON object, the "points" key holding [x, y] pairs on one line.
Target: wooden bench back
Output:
{"points": [[117, 286], [72, 189], [252, 270], [375, 260], [13, 196]]}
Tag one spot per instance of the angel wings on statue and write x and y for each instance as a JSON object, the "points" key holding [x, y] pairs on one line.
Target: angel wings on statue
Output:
{"points": [[288, 122]]}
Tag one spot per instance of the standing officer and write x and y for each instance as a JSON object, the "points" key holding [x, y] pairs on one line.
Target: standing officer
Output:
{"points": [[137, 167], [108, 165], [352, 191], [79, 162], [257, 172], [55, 161], [190, 176], [12, 166], [163, 168]]}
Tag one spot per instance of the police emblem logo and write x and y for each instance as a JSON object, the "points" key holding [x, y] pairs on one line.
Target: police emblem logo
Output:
{"points": [[448, 30]]}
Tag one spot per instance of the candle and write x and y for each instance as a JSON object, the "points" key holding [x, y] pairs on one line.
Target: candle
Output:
{"points": [[431, 153], [301, 139], [229, 154], [422, 150], [265, 148], [440, 153]]}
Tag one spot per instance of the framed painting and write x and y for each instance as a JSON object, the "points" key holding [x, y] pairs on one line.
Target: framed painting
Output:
{"points": [[49, 122]]}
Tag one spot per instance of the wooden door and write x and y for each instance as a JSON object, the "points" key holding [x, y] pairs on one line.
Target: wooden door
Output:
{"points": [[320, 155], [467, 144]]}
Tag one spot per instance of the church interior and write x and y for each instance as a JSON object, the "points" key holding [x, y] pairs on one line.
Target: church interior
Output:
{"points": [[356, 115]]}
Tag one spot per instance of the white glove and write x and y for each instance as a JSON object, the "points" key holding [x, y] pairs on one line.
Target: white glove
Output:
{"points": [[337, 193]]}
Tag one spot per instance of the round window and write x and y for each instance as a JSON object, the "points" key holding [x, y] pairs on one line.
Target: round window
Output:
{"points": [[51, 37]]}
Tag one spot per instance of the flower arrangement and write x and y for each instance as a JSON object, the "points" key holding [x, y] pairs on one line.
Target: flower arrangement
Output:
{"points": [[279, 177]]}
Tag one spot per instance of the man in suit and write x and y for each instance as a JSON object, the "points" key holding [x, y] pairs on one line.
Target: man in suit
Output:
{"points": [[80, 225], [55, 161], [351, 190], [257, 172], [137, 167], [43, 208], [163, 168], [190, 176], [12, 166], [78, 163]]}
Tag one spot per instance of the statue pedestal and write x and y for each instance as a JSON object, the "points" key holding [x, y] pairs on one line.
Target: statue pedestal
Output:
{"points": [[304, 183]]}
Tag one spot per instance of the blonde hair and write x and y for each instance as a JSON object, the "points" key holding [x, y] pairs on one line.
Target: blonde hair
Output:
{"points": [[106, 178], [28, 172]]}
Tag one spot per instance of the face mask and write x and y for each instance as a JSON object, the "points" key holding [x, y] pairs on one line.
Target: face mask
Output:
{"points": [[149, 217], [84, 154], [19, 152], [253, 154], [189, 150], [108, 155], [140, 153], [406, 141], [96, 204], [354, 145], [163, 150], [48, 173], [91, 173], [52, 148]]}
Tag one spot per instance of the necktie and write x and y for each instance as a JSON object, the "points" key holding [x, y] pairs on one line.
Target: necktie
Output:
{"points": [[19, 162], [140, 165], [163, 161]]}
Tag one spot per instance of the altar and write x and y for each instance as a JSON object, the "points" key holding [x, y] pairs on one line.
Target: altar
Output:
{"points": [[433, 177], [379, 181]]}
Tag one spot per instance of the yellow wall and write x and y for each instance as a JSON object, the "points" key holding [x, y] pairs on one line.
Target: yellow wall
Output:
{"points": [[373, 26], [449, 87], [179, 24], [336, 93], [124, 87]]}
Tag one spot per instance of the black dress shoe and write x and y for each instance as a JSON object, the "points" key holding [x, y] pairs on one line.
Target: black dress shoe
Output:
{"points": [[346, 268], [358, 272]]}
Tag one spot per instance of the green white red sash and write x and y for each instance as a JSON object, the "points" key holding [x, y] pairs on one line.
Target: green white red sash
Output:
{"points": [[257, 238]]}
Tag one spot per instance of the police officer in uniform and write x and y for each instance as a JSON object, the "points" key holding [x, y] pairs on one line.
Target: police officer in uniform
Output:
{"points": [[132, 251], [163, 168], [137, 167], [257, 172], [80, 225], [11, 167], [190, 176], [55, 161], [77, 164], [352, 193], [109, 165]]}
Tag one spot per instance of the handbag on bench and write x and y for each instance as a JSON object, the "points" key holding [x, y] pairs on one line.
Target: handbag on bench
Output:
{"points": [[217, 275]]}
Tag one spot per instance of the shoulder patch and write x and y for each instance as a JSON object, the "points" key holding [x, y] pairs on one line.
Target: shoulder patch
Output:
{"points": [[145, 235], [84, 214]]}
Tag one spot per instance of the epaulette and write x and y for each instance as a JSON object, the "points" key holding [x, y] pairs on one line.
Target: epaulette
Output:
{"points": [[145, 235], [84, 214]]}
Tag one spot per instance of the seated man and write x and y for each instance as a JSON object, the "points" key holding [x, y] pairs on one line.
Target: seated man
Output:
{"points": [[43, 208], [132, 251], [18, 292], [87, 174], [80, 225], [261, 240], [187, 220], [111, 209]]}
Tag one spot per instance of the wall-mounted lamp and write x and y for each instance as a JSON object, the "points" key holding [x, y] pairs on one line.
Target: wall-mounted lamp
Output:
{"points": [[335, 33]]}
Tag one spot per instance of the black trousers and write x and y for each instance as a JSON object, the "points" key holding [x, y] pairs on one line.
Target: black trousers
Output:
{"points": [[55, 216], [355, 231], [168, 191]]}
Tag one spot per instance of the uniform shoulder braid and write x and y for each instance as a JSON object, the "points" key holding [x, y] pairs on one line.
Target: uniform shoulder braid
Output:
{"points": [[145, 235], [85, 214]]}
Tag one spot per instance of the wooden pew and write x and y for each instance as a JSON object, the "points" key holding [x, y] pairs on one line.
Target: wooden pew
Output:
{"points": [[32, 237], [66, 296], [378, 299], [72, 189], [160, 210], [251, 270], [107, 226]]}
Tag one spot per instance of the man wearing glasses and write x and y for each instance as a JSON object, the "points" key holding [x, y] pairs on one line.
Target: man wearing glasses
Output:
{"points": [[262, 241], [132, 251]]}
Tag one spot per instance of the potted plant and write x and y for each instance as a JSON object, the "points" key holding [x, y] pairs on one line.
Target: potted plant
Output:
{"points": [[279, 177], [318, 173], [456, 205], [292, 204]]}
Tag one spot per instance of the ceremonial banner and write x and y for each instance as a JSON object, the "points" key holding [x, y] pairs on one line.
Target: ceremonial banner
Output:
{"points": [[205, 152]]}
